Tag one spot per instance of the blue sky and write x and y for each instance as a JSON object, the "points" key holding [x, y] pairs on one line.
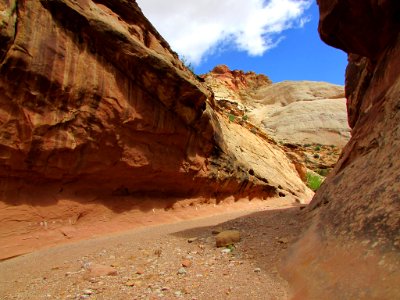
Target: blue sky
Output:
{"points": [[301, 55], [278, 38]]}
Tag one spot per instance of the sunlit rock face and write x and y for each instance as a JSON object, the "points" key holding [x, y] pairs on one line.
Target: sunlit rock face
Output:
{"points": [[301, 112], [352, 248], [95, 108]]}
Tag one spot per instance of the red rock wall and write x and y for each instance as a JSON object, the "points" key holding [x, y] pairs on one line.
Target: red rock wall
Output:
{"points": [[98, 114], [352, 249], [90, 87]]}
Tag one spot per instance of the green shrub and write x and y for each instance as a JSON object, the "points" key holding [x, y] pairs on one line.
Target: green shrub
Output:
{"points": [[245, 118], [313, 181], [317, 148], [231, 117]]}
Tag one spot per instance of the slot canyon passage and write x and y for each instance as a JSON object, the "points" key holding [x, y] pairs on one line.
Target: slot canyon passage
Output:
{"points": [[121, 169]]}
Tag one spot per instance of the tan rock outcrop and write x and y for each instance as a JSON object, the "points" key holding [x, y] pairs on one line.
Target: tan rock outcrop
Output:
{"points": [[352, 248], [300, 112], [98, 117]]}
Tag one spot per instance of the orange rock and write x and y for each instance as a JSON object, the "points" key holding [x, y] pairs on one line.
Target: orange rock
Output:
{"points": [[186, 263], [97, 270], [126, 124]]}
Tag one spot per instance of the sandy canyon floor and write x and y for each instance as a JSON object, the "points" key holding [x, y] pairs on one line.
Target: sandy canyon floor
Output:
{"points": [[178, 260]]}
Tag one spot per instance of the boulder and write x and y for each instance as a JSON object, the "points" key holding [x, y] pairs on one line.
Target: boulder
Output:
{"points": [[227, 237]]}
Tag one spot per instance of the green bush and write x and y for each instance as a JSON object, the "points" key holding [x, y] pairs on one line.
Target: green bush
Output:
{"points": [[317, 148], [313, 181], [245, 118], [231, 117]]}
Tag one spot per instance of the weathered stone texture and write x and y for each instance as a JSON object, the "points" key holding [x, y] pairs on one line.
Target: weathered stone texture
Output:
{"points": [[352, 249]]}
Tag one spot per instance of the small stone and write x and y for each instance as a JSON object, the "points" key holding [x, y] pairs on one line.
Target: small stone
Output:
{"points": [[257, 270], [186, 263], [140, 271], [182, 271], [178, 294], [130, 283], [193, 239], [226, 251], [87, 292], [226, 238], [283, 241]]}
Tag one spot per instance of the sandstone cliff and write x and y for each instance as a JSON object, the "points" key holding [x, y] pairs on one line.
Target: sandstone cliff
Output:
{"points": [[301, 112], [96, 111], [352, 248]]}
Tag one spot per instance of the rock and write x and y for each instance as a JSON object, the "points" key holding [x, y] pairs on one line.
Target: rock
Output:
{"points": [[257, 270], [283, 240], [87, 292], [359, 200], [130, 120], [182, 271], [191, 240], [140, 271], [97, 270], [186, 263], [226, 251], [130, 283], [178, 294], [293, 111], [226, 238]]}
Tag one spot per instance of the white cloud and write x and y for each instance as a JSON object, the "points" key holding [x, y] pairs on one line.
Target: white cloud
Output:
{"points": [[195, 28]]}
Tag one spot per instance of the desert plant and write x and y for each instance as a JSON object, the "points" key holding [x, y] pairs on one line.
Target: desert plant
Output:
{"points": [[317, 148], [245, 118], [231, 117], [187, 64], [314, 181]]}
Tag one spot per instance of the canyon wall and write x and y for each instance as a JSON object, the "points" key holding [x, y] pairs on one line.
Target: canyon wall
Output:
{"points": [[300, 112], [352, 248], [99, 117]]}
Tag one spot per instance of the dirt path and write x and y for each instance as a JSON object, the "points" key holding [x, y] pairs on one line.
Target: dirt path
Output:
{"points": [[147, 263]]}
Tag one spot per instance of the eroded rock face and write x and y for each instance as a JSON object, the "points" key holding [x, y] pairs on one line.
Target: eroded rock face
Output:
{"points": [[96, 111], [301, 112], [352, 249]]}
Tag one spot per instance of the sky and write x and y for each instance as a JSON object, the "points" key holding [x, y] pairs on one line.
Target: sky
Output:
{"points": [[278, 38]]}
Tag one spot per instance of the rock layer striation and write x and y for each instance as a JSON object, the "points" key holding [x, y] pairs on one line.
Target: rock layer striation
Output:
{"points": [[352, 248], [98, 116], [301, 112]]}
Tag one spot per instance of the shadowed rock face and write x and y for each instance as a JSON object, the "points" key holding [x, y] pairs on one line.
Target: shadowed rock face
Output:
{"points": [[352, 249], [95, 107]]}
